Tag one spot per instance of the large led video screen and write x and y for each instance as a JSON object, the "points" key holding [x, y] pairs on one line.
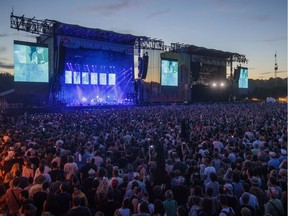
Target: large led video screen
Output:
{"points": [[103, 79], [243, 78], [76, 77], [30, 62], [94, 78], [169, 72], [68, 77], [111, 79], [85, 78]]}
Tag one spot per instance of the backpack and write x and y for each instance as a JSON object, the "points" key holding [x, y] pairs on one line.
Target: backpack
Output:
{"points": [[195, 212], [230, 213]]}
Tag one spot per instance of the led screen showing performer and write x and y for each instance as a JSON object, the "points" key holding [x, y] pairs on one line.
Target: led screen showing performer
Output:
{"points": [[169, 72], [243, 78], [68, 77], [30, 62]]}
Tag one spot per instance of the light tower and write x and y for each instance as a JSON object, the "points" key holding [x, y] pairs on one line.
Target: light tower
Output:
{"points": [[276, 66]]}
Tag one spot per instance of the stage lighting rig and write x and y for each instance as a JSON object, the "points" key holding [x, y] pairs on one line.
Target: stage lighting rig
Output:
{"points": [[148, 43], [32, 25]]}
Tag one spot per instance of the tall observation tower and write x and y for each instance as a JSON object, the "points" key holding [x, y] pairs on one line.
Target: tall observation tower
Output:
{"points": [[276, 66]]}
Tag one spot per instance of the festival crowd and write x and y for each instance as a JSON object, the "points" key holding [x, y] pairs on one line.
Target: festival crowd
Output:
{"points": [[176, 160]]}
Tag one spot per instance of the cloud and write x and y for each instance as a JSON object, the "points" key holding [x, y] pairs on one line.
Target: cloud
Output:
{"points": [[260, 77], [18, 33], [261, 18], [25, 34], [3, 49], [32, 36], [5, 65], [275, 39], [157, 13], [223, 4], [114, 7], [4, 35], [270, 72], [219, 6]]}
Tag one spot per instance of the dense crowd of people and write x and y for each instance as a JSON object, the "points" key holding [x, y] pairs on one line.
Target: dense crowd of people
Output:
{"points": [[200, 159]]}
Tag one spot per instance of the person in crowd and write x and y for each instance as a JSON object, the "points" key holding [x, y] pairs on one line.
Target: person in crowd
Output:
{"points": [[63, 200], [77, 208], [196, 206], [206, 209], [143, 210], [124, 210], [245, 204], [3, 204], [40, 197], [55, 171], [88, 166], [112, 205], [274, 205], [226, 210], [27, 169], [70, 168], [37, 186], [145, 198], [87, 182], [214, 202], [13, 197], [181, 211], [43, 168], [24, 200], [23, 180], [159, 209], [181, 192], [208, 170], [29, 209], [170, 205], [214, 185], [79, 193], [135, 199], [258, 193]]}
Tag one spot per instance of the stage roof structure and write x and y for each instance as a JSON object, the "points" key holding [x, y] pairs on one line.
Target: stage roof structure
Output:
{"points": [[211, 53], [51, 28], [94, 34]]}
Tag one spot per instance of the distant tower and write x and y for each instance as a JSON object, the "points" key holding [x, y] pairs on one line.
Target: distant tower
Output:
{"points": [[276, 66]]}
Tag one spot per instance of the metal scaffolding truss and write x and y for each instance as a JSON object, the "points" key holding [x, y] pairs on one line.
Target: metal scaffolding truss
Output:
{"points": [[94, 34], [208, 53], [32, 25], [49, 27], [148, 43]]}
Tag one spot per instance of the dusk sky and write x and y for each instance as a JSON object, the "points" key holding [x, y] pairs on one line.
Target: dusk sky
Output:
{"points": [[255, 28]]}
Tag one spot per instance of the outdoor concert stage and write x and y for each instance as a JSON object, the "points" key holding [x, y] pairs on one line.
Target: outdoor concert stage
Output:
{"points": [[75, 66]]}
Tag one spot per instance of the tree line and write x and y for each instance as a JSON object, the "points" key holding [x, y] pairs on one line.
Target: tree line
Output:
{"points": [[273, 87]]}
